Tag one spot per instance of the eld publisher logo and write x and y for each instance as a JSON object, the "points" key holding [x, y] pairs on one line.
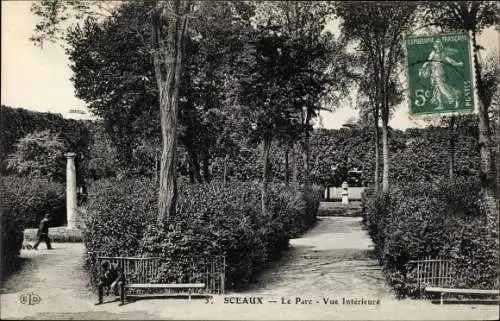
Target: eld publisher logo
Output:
{"points": [[30, 298]]}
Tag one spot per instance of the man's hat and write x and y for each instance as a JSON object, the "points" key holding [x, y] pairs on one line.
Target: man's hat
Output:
{"points": [[104, 264]]}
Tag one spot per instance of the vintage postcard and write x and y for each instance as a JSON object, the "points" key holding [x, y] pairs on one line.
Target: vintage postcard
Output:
{"points": [[250, 160]]}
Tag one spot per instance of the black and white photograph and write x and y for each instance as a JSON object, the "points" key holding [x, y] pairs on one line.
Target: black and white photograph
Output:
{"points": [[249, 160]]}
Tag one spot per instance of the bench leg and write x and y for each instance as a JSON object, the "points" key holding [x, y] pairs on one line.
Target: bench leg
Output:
{"points": [[442, 298], [124, 294]]}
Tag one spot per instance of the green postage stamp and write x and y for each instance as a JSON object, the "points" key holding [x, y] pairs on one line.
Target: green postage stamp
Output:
{"points": [[439, 72]]}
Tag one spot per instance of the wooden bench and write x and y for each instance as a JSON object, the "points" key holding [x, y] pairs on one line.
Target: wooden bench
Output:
{"points": [[188, 286], [436, 275], [142, 273], [443, 291]]}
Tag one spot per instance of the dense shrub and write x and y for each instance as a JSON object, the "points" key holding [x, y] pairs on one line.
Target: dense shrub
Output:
{"points": [[303, 222], [441, 219], [118, 212], [31, 198], [216, 220], [211, 220], [475, 255], [12, 233]]}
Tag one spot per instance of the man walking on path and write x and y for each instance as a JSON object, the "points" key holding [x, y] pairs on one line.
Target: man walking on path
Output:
{"points": [[43, 232]]}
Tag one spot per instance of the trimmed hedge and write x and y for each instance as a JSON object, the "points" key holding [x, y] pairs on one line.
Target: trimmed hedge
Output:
{"points": [[57, 235], [211, 220], [30, 198], [426, 219]]}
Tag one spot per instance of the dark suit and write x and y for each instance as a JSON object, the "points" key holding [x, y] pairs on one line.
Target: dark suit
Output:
{"points": [[43, 233], [112, 276]]}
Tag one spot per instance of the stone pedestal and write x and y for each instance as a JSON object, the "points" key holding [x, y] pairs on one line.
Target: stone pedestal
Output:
{"points": [[71, 191], [345, 193]]}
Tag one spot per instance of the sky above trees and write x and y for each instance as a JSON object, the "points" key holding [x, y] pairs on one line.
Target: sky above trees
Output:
{"points": [[38, 79]]}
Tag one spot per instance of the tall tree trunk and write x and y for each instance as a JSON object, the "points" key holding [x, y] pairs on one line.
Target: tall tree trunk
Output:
{"points": [[497, 158], [307, 149], [377, 160], [487, 177], [385, 154], [307, 160], [266, 145], [156, 167], [168, 180], [377, 152], [168, 67], [287, 165], [451, 147], [295, 174], [385, 112], [226, 158]]}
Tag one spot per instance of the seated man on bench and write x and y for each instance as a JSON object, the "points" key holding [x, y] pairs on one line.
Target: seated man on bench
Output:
{"points": [[112, 277]]}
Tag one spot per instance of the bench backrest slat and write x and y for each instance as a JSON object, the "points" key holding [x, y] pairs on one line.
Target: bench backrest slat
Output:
{"points": [[146, 270], [432, 271], [435, 272]]}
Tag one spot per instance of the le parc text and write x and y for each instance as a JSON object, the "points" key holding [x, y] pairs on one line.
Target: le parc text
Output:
{"points": [[328, 300]]}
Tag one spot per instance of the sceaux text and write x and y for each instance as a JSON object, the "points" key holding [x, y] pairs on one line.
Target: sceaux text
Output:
{"points": [[243, 300]]}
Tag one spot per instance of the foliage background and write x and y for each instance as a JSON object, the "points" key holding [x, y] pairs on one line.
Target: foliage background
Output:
{"points": [[19, 122]]}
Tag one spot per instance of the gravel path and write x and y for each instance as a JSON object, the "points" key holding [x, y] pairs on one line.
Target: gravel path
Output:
{"points": [[59, 280], [42, 270], [334, 261], [336, 257]]}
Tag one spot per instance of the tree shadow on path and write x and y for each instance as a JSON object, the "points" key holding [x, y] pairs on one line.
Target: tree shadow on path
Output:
{"points": [[19, 264]]}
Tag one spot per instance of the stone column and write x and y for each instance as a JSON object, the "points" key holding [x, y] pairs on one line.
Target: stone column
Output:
{"points": [[71, 191], [345, 193]]}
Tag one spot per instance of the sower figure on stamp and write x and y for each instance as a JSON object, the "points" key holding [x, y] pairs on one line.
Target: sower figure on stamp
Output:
{"points": [[43, 232], [112, 277]]}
